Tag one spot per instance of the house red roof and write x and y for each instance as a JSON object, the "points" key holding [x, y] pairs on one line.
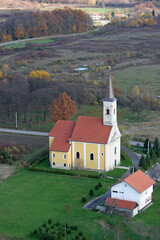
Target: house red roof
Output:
{"points": [[139, 181], [90, 129], [121, 203], [61, 132]]}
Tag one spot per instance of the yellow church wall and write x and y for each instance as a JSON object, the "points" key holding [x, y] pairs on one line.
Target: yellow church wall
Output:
{"points": [[102, 157], [79, 147], [59, 159], [92, 148], [50, 141]]}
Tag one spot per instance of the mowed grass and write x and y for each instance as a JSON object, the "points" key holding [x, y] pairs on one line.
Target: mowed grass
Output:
{"points": [[103, 10], [27, 200], [23, 44]]}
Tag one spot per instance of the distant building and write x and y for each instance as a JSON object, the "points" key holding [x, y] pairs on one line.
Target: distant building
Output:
{"points": [[132, 193], [90, 142], [96, 16]]}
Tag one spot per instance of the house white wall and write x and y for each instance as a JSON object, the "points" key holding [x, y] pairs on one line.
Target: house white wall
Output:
{"points": [[125, 192]]}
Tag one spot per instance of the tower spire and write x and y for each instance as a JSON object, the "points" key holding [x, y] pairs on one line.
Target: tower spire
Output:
{"points": [[109, 91]]}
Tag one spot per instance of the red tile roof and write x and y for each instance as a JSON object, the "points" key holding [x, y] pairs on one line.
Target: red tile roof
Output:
{"points": [[121, 203], [61, 131], [139, 181], [90, 129]]}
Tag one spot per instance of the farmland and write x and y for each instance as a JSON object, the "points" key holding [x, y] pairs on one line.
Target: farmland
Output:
{"points": [[134, 56]]}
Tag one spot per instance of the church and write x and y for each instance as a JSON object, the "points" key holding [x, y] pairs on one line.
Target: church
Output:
{"points": [[91, 143]]}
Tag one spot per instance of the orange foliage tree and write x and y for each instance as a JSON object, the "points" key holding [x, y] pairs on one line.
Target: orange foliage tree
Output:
{"points": [[63, 108]]}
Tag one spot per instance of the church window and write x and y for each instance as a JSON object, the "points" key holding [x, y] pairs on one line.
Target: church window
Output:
{"points": [[64, 156], [107, 111], [54, 155], [91, 156], [78, 155], [114, 111], [65, 165], [54, 163], [102, 154], [115, 163], [115, 150]]}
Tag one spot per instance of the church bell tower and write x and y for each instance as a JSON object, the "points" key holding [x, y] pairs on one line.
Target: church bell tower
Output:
{"points": [[109, 104]]}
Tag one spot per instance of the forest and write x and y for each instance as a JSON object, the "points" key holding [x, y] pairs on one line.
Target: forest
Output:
{"points": [[36, 24]]}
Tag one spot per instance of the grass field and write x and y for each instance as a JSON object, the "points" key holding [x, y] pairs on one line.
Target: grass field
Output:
{"points": [[27, 200], [103, 10]]}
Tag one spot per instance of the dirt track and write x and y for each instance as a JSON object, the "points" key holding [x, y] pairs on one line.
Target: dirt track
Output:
{"points": [[32, 141]]}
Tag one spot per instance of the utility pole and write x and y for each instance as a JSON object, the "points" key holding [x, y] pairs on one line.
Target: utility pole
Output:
{"points": [[16, 120]]}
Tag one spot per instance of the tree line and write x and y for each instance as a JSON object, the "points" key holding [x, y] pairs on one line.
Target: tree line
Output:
{"points": [[36, 24]]}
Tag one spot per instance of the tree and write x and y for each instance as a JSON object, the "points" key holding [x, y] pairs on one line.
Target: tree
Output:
{"points": [[146, 145], [63, 108], [138, 106], [156, 147]]}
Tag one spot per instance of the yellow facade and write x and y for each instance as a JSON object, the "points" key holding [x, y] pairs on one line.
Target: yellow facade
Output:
{"points": [[60, 159]]}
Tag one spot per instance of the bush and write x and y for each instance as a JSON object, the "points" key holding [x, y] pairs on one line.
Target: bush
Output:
{"points": [[80, 233], [44, 225], [91, 193], [96, 187], [49, 220], [100, 185], [84, 199]]}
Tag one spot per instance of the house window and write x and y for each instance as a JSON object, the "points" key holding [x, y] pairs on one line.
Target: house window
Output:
{"points": [[125, 185], [54, 155], [65, 165], [78, 155], [107, 112], [54, 163], [64, 156], [146, 192], [115, 191], [102, 154], [115, 163], [115, 150], [91, 156]]}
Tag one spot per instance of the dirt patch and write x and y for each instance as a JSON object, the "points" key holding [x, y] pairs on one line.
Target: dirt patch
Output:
{"points": [[6, 171], [144, 129]]}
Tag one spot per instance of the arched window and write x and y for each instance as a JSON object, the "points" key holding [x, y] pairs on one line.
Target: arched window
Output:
{"points": [[78, 155], [115, 163], [91, 156], [115, 150], [107, 111]]}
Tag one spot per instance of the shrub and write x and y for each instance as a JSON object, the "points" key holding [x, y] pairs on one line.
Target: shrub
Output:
{"points": [[91, 193], [84, 238], [96, 187], [44, 225], [80, 233], [100, 185], [84, 199], [49, 220], [35, 231]]}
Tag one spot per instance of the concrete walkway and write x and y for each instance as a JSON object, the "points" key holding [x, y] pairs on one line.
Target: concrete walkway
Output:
{"points": [[5, 130]]}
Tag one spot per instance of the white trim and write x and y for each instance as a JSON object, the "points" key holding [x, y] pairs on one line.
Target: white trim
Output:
{"points": [[98, 156], [73, 153], [105, 157], [84, 155]]}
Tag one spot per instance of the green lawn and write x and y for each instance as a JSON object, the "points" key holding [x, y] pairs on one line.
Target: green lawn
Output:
{"points": [[104, 10], [23, 44], [27, 200], [116, 173], [125, 160]]}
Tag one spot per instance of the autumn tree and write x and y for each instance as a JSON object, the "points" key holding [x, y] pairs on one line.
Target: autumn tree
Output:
{"points": [[62, 108]]}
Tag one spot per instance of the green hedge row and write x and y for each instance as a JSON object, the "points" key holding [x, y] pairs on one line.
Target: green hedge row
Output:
{"points": [[38, 154], [62, 172]]}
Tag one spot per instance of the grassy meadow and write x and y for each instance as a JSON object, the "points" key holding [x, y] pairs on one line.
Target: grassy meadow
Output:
{"points": [[29, 199]]}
